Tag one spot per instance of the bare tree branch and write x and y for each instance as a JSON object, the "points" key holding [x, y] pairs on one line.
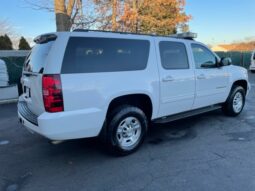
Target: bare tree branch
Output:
{"points": [[40, 5]]}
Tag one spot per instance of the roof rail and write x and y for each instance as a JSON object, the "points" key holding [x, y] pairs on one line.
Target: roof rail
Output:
{"points": [[188, 35], [118, 32]]}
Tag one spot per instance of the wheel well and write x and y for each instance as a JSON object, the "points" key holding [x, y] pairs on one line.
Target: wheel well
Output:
{"points": [[141, 101], [242, 83]]}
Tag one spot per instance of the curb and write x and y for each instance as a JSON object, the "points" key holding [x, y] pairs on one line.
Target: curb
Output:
{"points": [[8, 101]]}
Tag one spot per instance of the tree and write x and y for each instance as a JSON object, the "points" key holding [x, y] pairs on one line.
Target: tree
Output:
{"points": [[114, 15], [146, 16], [65, 11], [108, 13], [162, 16], [23, 44], [8, 29], [5, 43], [63, 14], [129, 19]]}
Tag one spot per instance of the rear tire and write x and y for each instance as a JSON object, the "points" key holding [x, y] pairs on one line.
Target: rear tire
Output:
{"points": [[252, 71], [126, 129], [235, 102]]}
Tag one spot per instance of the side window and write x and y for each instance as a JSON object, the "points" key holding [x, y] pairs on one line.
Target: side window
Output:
{"points": [[203, 56], [90, 55], [173, 55]]}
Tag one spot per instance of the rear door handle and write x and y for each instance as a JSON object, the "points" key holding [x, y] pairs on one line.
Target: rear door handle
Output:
{"points": [[168, 79], [201, 77]]}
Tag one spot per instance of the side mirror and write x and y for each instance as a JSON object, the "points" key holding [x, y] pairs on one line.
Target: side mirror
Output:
{"points": [[225, 62]]}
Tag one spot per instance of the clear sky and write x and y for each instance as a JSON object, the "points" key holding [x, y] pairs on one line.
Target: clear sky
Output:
{"points": [[215, 21], [222, 21]]}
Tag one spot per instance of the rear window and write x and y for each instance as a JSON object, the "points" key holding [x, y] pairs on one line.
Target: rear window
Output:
{"points": [[35, 61], [89, 55]]}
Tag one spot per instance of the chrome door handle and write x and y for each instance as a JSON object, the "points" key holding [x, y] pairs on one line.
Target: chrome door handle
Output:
{"points": [[201, 77], [168, 79]]}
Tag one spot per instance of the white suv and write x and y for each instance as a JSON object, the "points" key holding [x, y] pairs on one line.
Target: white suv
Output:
{"points": [[90, 83]]}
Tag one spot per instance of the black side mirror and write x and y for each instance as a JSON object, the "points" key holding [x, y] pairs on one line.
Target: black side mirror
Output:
{"points": [[225, 62]]}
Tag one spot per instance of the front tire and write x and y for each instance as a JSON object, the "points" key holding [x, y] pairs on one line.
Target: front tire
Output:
{"points": [[252, 71], [126, 129], [235, 102]]}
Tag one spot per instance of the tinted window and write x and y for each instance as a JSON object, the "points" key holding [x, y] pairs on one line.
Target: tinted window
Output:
{"points": [[35, 61], [173, 55], [87, 55], [203, 56]]}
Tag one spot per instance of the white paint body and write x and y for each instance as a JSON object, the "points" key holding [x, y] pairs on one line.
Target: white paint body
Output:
{"points": [[87, 96], [252, 66]]}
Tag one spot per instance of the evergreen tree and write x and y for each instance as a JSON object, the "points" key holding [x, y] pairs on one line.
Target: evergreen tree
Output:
{"points": [[2, 43], [8, 42], [23, 44], [5, 43]]}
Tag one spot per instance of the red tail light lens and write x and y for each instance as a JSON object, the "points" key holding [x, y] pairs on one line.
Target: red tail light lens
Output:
{"points": [[52, 93]]}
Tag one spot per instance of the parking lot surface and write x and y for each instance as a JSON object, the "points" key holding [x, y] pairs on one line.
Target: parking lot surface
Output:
{"points": [[206, 152]]}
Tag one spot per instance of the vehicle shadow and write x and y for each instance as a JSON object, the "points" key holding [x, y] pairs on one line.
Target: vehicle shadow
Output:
{"points": [[181, 130]]}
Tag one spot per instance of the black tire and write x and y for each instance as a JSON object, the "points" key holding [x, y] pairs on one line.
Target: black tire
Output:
{"points": [[228, 107], [252, 71], [115, 118]]}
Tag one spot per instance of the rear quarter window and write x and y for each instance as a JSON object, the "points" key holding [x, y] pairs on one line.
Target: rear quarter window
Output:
{"points": [[90, 55], [35, 61]]}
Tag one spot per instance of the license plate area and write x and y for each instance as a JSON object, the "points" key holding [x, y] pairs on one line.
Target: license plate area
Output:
{"points": [[27, 92]]}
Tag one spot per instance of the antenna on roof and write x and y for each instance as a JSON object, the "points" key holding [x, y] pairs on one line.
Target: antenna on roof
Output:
{"points": [[186, 35]]}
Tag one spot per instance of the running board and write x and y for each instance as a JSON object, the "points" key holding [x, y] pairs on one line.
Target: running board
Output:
{"points": [[186, 114]]}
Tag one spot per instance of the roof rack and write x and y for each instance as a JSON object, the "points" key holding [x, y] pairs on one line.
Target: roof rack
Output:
{"points": [[117, 32], [187, 35]]}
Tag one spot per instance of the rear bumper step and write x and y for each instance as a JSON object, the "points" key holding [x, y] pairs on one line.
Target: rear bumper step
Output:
{"points": [[26, 113]]}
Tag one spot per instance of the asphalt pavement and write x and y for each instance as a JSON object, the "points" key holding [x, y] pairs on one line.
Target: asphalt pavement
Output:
{"points": [[207, 152]]}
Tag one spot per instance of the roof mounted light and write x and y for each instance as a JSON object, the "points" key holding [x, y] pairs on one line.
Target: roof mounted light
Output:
{"points": [[186, 35], [45, 38]]}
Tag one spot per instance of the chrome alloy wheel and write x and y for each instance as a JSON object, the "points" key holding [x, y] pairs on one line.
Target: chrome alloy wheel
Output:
{"points": [[129, 133], [238, 102]]}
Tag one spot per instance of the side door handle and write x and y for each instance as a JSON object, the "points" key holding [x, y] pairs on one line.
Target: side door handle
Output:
{"points": [[201, 77], [168, 79]]}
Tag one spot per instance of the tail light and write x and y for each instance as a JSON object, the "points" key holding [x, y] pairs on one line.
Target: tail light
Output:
{"points": [[52, 93]]}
